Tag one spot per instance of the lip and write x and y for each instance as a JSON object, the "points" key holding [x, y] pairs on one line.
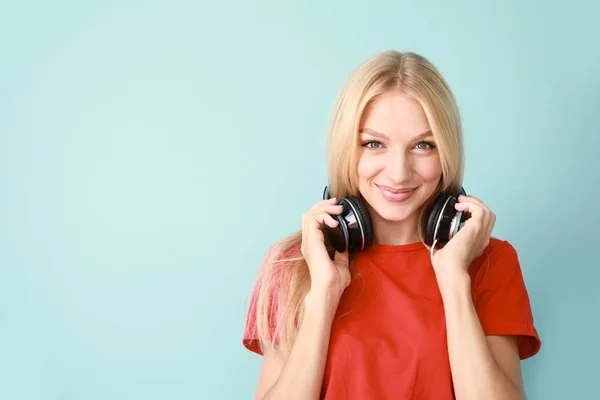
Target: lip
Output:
{"points": [[395, 195], [395, 190]]}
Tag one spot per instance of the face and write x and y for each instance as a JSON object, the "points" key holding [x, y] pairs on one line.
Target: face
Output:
{"points": [[398, 166]]}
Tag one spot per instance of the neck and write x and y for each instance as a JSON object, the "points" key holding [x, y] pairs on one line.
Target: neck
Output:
{"points": [[395, 233]]}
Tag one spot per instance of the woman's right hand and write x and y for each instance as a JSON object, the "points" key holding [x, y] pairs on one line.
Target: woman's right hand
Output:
{"points": [[328, 277]]}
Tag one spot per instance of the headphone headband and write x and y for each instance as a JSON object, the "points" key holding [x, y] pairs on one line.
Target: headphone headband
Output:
{"points": [[326, 195]]}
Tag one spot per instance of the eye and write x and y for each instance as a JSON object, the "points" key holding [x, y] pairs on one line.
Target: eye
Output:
{"points": [[372, 144], [424, 145]]}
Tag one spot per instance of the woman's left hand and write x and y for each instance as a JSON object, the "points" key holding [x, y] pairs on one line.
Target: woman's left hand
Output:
{"points": [[470, 241]]}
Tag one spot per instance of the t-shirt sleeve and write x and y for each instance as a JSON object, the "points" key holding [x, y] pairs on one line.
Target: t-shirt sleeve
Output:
{"points": [[502, 301], [250, 338]]}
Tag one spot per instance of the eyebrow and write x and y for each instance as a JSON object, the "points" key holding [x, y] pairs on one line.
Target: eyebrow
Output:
{"points": [[383, 136]]}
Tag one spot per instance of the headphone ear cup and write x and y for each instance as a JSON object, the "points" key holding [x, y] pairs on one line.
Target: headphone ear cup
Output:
{"points": [[434, 217], [337, 237], [361, 234], [444, 220], [354, 231]]}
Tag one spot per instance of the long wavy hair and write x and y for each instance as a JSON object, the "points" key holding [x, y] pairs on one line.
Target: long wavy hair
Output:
{"points": [[283, 282]]}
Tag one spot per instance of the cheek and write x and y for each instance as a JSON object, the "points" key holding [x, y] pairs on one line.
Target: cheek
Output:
{"points": [[430, 169], [367, 167]]}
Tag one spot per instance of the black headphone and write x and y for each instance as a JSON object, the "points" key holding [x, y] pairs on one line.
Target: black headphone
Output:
{"points": [[355, 230]]}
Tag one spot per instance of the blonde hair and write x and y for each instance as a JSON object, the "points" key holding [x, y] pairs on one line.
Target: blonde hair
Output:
{"points": [[283, 282]]}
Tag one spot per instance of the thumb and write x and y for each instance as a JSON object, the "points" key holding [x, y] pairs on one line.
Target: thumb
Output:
{"points": [[341, 257]]}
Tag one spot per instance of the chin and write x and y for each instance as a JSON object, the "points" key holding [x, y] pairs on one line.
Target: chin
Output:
{"points": [[394, 213]]}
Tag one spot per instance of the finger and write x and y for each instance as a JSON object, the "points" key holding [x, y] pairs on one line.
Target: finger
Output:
{"points": [[334, 209], [470, 198], [487, 213], [330, 221], [316, 219], [328, 209], [474, 200], [319, 205], [341, 256], [478, 212], [332, 200], [467, 205], [472, 209], [323, 204]]}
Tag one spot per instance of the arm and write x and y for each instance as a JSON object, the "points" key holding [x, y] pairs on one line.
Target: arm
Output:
{"points": [[481, 368], [300, 376]]}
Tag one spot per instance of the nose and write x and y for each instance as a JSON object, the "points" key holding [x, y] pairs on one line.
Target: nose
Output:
{"points": [[399, 168]]}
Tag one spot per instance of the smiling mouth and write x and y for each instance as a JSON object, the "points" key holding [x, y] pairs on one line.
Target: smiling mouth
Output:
{"points": [[395, 195], [395, 190]]}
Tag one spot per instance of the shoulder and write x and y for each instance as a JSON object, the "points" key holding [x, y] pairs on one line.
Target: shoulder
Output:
{"points": [[497, 252], [501, 247], [276, 266], [497, 275], [281, 254]]}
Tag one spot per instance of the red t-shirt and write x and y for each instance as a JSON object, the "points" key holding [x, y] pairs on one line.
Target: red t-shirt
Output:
{"points": [[388, 340]]}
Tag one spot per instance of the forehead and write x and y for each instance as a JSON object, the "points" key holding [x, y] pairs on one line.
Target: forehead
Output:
{"points": [[395, 115]]}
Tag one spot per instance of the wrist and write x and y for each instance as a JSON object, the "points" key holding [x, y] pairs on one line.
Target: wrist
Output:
{"points": [[454, 282], [321, 302]]}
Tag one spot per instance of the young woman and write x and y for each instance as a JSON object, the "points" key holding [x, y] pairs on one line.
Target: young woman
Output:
{"points": [[397, 317]]}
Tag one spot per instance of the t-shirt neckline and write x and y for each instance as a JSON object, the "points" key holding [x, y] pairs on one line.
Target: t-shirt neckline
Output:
{"points": [[397, 248]]}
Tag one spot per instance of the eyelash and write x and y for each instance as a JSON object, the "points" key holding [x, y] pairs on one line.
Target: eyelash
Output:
{"points": [[430, 145]]}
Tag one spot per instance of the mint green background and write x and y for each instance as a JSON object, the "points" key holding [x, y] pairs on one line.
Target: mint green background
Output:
{"points": [[151, 152]]}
